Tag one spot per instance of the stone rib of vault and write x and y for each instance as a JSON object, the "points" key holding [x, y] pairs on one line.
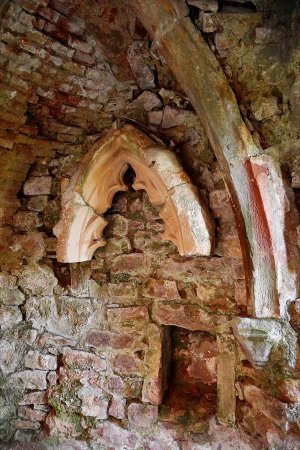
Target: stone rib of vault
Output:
{"points": [[92, 188]]}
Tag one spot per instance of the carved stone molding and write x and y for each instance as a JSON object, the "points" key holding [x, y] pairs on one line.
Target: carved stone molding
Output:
{"points": [[258, 337], [92, 188]]}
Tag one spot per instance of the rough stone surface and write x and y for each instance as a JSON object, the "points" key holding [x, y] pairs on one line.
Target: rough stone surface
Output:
{"points": [[91, 351]]}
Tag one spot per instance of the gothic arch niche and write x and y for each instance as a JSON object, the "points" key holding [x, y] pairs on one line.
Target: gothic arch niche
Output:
{"points": [[100, 176]]}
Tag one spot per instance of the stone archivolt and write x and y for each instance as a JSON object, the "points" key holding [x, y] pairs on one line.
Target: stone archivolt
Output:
{"points": [[92, 188]]}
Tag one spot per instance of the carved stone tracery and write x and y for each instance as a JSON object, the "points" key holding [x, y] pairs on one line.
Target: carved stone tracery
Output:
{"points": [[100, 176]]}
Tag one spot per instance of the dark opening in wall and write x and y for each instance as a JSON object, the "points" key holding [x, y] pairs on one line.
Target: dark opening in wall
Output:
{"points": [[191, 397]]}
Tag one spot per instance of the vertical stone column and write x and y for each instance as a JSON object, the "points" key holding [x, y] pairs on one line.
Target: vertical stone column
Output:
{"points": [[157, 363], [226, 379]]}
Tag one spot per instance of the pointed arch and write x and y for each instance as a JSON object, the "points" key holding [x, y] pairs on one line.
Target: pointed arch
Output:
{"points": [[92, 188]]}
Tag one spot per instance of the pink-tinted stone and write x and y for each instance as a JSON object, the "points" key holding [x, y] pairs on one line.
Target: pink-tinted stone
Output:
{"points": [[107, 339], [112, 434], [141, 415], [83, 360], [190, 317], [127, 364], [79, 45], [240, 293], [128, 319], [37, 186], [280, 413], [147, 100], [131, 264], [204, 370], [117, 407], [289, 390], [161, 289]]}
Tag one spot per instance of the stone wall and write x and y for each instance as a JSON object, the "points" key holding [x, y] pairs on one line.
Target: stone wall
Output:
{"points": [[133, 349]]}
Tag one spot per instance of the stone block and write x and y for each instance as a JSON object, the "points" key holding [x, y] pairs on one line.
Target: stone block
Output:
{"points": [[34, 398], [26, 221], [131, 264], [83, 58], [117, 226], [282, 414], [205, 5], [8, 281], [139, 66], [10, 316], [257, 337], [289, 390], [264, 108], [126, 364], [37, 186], [190, 317], [106, 339], [165, 289], [34, 415], [226, 401], [37, 203], [30, 245], [37, 280], [10, 357], [147, 101], [122, 292], [93, 403], [157, 361], [83, 360], [112, 434], [141, 415], [133, 318], [78, 44], [25, 425], [49, 14], [117, 407], [11, 297], [37, 360], [30, 379]]}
